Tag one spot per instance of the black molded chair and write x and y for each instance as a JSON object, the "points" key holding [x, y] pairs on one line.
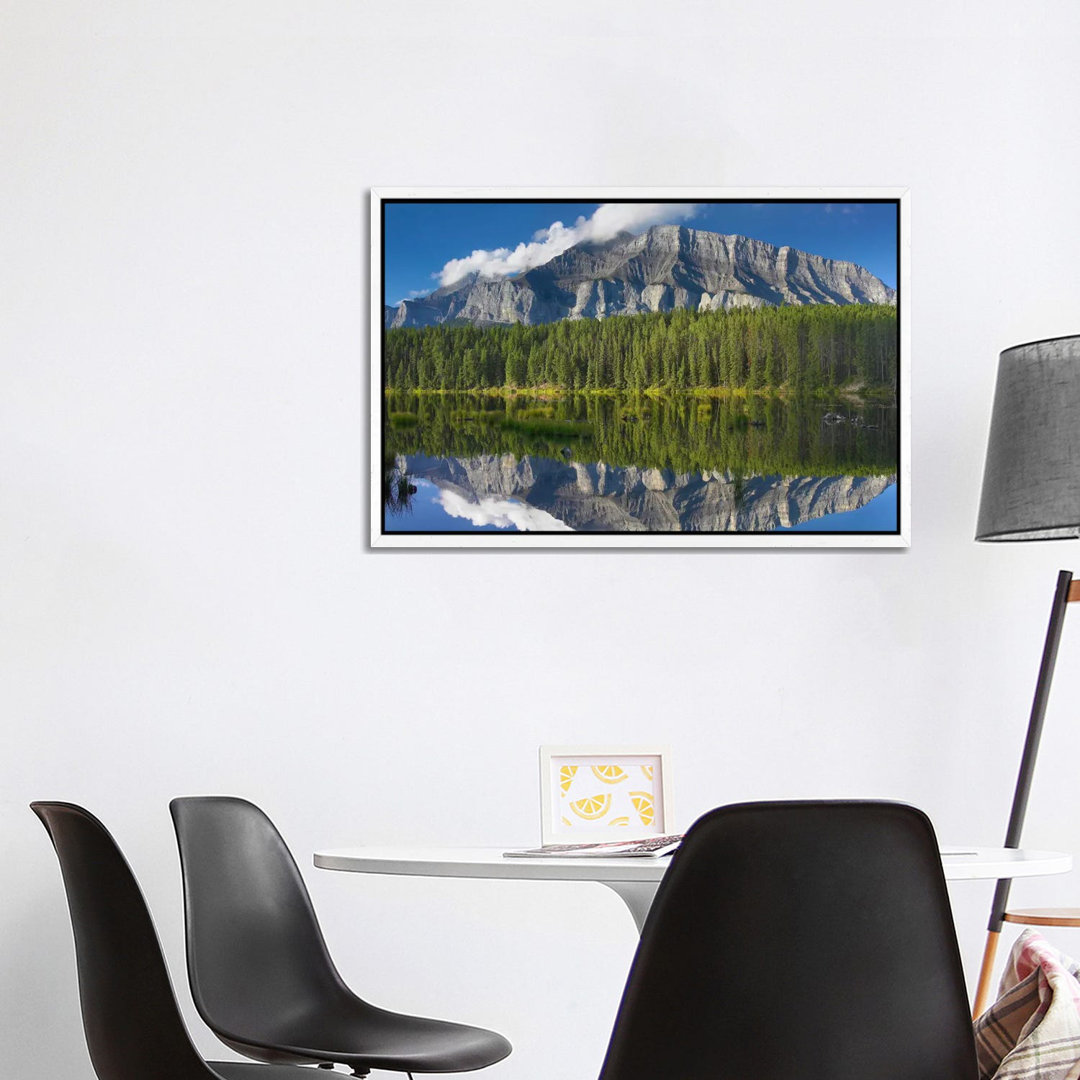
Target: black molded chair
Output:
{"points": [[259, 969], [133, 1026], [798, 941]]}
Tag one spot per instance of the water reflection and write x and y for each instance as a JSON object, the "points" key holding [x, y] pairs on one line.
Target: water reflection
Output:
{"points": [[545, 495], [645, 463], [498, 513]]}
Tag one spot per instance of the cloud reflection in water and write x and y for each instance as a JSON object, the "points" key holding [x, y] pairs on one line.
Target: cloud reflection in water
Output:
{"points": [[502, 513]]}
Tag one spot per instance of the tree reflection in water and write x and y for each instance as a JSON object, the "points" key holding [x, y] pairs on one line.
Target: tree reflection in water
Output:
{"points": [[398, 489], [741, 434]]}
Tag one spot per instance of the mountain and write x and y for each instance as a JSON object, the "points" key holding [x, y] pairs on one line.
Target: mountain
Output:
{"points": [[668, 267], [590, 497]]}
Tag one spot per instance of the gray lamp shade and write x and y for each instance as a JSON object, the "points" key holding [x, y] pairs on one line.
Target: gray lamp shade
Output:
{"points": [[1031, 484]]}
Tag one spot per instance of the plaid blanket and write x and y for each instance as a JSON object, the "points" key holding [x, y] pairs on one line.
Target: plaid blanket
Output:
{"points": [[1032, 1031]]}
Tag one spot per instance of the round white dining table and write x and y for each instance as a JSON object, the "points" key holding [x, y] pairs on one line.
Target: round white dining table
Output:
{"points": [[637, 879]]}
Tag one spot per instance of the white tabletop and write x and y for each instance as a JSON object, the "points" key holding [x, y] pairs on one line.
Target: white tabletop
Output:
{"points": [[960, 863], [636, 880]]}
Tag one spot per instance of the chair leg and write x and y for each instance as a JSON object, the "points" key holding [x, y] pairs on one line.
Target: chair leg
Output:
{"points": [[982, 992]]}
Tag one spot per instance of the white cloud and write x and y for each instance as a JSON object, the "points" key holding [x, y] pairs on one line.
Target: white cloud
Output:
{"points": [[503, 513], [608, 220]]}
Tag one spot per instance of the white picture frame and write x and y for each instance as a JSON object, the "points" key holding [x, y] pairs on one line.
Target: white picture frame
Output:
{"points": [[385, 532], [594, 793]]}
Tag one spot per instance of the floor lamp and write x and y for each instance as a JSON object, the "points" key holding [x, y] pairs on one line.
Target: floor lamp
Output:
{"points": [[1031, 491]]}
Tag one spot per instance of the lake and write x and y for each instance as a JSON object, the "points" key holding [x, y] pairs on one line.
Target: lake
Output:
{"points": [[648, 463]]}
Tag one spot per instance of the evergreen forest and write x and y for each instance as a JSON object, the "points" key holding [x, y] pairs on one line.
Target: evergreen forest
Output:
{"points": [[809, 349]]}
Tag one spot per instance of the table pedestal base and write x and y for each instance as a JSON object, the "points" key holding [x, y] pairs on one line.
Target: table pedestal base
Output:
{"points": [[637, 896]]}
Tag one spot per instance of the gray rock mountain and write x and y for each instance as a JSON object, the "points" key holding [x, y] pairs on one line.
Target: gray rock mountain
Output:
{"points": [[667, 267], [599, 497]]}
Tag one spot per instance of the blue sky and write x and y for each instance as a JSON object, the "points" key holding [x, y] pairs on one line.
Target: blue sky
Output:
{"points": [[423, 237]]}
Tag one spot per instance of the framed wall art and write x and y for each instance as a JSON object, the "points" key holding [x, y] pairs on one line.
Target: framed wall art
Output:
{"points": [[636, 368], [596, 793]]}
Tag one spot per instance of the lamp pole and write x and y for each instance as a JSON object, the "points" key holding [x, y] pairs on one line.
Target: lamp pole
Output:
{"points": [[1065, 592]]}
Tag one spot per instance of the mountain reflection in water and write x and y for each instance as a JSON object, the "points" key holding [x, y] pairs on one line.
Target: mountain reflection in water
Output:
{"points": [[539, 494]]}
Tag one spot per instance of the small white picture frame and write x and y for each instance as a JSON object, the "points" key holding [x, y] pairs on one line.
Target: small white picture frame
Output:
{"points": [[590, 794]]}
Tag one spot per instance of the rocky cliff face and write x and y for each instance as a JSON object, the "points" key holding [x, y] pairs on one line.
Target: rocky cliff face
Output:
{"points": [[598, 497], [668, 267]]}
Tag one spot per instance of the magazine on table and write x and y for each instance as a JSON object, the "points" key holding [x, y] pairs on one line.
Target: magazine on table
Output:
{"points": [[649, 847]]}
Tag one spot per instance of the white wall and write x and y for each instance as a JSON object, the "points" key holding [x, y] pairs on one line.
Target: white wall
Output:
{"points": [[187, 604]]}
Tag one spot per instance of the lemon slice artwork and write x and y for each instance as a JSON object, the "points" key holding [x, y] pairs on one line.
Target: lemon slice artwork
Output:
{"points": [[643, 804], [592, 808], [624, 820], [566, 777], [609, 774]]}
